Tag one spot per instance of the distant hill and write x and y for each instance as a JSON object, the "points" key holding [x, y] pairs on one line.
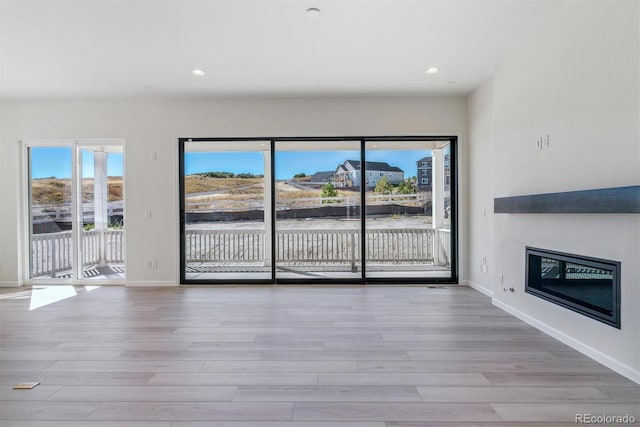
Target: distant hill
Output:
{"points": [[52, 191]]}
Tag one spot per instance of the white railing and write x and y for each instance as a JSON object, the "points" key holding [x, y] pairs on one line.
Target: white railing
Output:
{"points": [[224, 245], [314, 246], [319, 246], [443, 247], [400, 245], [51, 253]]}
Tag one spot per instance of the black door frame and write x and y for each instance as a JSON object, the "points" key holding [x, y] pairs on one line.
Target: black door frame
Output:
{"points": [[363, 280]]}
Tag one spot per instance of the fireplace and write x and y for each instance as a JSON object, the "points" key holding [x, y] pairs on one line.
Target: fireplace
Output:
{"points": [[586, 285]]}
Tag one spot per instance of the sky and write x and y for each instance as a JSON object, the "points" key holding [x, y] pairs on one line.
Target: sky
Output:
{"points": [[56, 162], [289, 163]]}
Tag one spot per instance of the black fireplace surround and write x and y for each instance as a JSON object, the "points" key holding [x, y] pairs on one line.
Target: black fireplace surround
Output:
{"points": [[586, 285]]}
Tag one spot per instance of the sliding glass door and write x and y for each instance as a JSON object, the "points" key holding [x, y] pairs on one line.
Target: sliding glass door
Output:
{"points": [[317, 192], [408, 222], [101, 211], [318, 210], [75, 205]]}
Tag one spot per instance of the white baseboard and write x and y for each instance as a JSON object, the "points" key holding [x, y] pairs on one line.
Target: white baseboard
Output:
{"points": [[596, 355], [488, 292], [10, 284], [152, 284]]}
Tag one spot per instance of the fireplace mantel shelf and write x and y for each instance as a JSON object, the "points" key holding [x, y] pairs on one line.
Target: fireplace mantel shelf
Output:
{"points": [[616, 200]]}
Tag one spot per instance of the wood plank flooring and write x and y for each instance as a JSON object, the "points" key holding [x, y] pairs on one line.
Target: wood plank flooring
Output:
{"points": [[380, 356]]}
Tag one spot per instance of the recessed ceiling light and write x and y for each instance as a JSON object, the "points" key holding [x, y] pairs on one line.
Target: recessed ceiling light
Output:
{"points": [[198, 72], [313, 12], [432, 70]]}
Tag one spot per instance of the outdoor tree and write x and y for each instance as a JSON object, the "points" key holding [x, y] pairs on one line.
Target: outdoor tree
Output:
{"points": [[300, 175], [328, 190], [406, 187], [383, 186]]}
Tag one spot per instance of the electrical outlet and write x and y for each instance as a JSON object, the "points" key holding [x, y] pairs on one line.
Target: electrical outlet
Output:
{"points": [[152, 264], [148, 214]]}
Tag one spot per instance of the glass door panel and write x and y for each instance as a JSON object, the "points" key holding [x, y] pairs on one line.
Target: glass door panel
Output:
{"points": [[101, 212], [51, 212], [408, 232], [226, 187], [317, 205]]}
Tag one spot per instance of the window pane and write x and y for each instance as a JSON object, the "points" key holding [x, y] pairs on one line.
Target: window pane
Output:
{"points": [[51, 221], [102, 210], [318, 210], [408, 210], [225, 192]]}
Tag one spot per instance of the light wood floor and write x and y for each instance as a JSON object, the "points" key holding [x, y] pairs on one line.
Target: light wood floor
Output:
{"points": [[291, 356]]}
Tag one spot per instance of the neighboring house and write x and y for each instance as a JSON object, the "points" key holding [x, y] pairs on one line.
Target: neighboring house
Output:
{"points": [[348, 173], [425, 171]]}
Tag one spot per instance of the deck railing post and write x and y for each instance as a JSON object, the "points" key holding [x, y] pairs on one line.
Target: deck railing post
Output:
{"points": [[353, 253], [54, 252]]}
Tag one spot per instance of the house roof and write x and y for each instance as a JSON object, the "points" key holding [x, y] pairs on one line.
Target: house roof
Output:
{"points": [[374, 166], [322, 176]]}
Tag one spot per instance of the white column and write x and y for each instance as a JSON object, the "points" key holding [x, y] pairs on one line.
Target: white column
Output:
{"points": [[101, 209], [437, 188], [267, 209], [437, 199]]}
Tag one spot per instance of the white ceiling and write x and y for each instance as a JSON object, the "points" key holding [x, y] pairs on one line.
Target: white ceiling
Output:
{"points": [[115, 48]]}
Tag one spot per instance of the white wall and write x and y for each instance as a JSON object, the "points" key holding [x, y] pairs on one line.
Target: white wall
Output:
{"points": [[576, 80], [480, 215], [154, 125]]}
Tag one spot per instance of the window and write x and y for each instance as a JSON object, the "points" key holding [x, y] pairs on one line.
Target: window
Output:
{"points": [[425, 181]]}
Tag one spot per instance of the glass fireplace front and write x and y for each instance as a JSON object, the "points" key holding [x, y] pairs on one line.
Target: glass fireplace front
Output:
{"points": [[586, 285]]}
